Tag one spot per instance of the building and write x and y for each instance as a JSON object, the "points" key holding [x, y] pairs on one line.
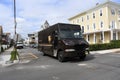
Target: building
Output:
{"points": [[31, 38], [101, 24], [45, 25], [6, 39], [1, 33], [36, 37], [18, 38]]}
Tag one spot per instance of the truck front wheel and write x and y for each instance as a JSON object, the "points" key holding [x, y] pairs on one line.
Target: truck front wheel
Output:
{"points": [[44, 54], [61, 57], [82, 56]]}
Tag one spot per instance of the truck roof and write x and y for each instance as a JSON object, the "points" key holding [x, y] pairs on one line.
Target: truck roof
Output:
{"points": [[63, 25]]}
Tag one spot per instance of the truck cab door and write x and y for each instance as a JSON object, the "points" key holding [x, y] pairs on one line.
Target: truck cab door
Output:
{"points": [[55, 43]]}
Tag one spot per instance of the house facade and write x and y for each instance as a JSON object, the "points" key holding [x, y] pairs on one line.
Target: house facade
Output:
{"points": [[1, 33], [5, 39], [100, 24]]}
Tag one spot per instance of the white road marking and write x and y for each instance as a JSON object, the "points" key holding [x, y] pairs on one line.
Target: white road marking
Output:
{"points": [[56, 78], [33, 55], [34, 67]]}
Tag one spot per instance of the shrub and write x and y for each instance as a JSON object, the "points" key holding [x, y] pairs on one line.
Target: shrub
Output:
{"points": [[113, 44], [14, 55]]}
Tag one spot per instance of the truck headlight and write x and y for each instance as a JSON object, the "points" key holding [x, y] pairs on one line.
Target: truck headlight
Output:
{"points": [[87, 49], [69, 50]]}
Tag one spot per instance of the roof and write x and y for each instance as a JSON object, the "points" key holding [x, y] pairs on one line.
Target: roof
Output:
{"points": [[97, 6], [46, 22]]}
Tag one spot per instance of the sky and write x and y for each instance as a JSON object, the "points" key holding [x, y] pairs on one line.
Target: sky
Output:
{"points": [[31, 14]]}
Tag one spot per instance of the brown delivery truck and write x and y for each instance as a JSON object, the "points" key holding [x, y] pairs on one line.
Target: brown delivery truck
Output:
{"points": [[62, 40]]}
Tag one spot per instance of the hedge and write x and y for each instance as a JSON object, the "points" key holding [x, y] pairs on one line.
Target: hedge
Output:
{"points": [[113, 44]]}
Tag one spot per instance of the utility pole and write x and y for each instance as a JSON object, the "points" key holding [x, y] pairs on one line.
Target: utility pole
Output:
{"points": [[15, 23], [14, 53]]}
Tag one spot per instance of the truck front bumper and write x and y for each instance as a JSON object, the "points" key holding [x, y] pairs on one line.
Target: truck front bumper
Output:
{"points": [[73, 53]]}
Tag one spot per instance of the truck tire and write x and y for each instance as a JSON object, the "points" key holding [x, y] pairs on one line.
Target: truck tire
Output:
{"points": [[43, 54], [82, 56], [42, 49], [61, 57]]}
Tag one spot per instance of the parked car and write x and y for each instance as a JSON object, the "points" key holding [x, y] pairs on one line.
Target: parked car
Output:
{"points": [[35, 45], [19, 45]]}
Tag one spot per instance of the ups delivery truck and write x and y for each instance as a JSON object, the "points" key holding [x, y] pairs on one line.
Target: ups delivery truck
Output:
{"points": [[62, 40]]}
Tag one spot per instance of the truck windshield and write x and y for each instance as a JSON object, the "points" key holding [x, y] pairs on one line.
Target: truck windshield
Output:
{"points": [[70, 33]]}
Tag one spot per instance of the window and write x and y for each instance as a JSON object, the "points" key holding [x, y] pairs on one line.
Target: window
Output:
{"points": [[95, 39], [68, 33], [114, 36], [113, 11], [113, 25], [33, 37], [93, 15], [94, 25], [73, 21], [82, 19], [87, 27], [100, 12], [118, 12], [77, 20], [87, 17], [82, 29], [101, 36], [101, 24]]}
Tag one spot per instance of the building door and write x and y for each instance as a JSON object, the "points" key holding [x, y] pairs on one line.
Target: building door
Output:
{"points": [[114, 35]]}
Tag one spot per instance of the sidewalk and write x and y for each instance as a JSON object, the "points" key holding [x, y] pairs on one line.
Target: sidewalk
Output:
{"points": [[106, 51], [5, 57]]}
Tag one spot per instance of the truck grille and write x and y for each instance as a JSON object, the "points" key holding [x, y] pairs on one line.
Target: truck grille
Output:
{"points": [[79, 47]]}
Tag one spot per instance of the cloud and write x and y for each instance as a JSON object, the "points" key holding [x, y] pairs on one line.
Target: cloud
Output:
{"points": [[31, 14]]}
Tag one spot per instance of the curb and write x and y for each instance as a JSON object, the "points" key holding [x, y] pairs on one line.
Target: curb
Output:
{"points": [[10, 63], [106, 51]]}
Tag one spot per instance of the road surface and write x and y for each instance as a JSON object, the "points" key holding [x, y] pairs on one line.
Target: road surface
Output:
{"points": [[95, 67]]}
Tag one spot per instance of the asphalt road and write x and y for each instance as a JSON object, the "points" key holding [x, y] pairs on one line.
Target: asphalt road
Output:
{"points": [[95, 67]]}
